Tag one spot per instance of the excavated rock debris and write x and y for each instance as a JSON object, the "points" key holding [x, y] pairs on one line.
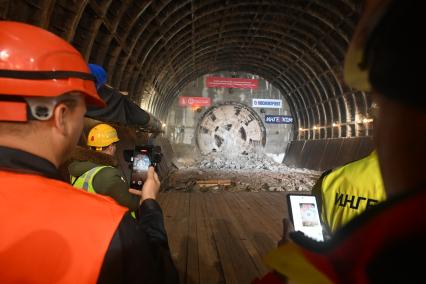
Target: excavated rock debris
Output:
{"points": [[250, 172]]}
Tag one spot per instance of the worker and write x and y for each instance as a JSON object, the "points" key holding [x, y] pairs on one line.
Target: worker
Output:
{"points": [[100, 75], [96, 174], [50, 232], [384, 243], [346, 191]]}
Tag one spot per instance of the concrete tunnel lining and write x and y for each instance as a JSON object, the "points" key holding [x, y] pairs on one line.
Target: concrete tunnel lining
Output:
{"points": [[152, 49]]}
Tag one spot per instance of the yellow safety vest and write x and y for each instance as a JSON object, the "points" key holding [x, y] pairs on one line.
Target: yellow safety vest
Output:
{"points": [[349, 190], [85, 181]]}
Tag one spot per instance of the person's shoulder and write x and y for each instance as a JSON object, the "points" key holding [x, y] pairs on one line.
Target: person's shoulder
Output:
{"points": [[325, 173], [365, 165], [77, 168], [68, 193], [368, 166], [109, 177], [109, 172]]}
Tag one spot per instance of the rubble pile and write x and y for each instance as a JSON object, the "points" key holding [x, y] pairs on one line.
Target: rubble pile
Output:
{"points": [[253, 161], [248, 172]]}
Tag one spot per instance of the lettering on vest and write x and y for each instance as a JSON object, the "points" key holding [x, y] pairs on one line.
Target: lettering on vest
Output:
{"points": [[354, 202]]}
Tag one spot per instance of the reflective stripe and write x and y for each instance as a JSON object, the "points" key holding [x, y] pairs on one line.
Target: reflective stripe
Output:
{"points": [[85, 181], [89, 175]]}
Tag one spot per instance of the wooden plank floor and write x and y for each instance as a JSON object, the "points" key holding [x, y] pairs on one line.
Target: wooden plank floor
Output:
{"points": [[221, 237]]}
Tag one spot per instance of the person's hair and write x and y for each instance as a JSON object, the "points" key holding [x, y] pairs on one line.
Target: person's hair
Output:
{"points": [[102, 148], [395, 55], [70, 103]]}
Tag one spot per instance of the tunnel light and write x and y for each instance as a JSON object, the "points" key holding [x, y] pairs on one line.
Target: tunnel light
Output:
{"points": [[315, 127], [301, 129], [335, 125], [164, 125], [367, 120]]}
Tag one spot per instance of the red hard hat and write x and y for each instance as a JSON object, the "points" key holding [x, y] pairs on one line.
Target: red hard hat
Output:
{"points": [[37, 63]]}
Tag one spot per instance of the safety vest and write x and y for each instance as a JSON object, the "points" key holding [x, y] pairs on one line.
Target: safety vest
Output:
{"points": [[349, 190], [52, 233], [85, 181]]}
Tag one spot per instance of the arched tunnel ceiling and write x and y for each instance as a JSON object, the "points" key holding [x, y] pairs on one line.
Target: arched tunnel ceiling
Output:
{"points": [[152, 49]]}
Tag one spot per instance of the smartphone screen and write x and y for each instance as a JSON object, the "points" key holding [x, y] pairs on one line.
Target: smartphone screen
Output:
{"points": [[305, 216], [141, 163]]}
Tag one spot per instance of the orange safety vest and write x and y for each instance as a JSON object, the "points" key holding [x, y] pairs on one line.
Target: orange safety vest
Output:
{"points": [[52, 233]]}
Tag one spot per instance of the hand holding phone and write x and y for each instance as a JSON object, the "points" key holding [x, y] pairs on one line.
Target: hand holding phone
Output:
{"points": [[141, 163], [151, 186]]}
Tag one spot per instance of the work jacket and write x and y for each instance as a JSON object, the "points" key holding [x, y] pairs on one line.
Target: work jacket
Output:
{"points": [[98, 172], [85, 182], [347, 191], [52, 233]]}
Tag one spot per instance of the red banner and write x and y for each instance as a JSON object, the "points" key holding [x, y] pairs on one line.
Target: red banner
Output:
{"points": [[195, 101], [223, 82]]}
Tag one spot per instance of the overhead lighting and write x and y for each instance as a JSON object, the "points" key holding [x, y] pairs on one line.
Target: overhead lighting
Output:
{"points": [[335, 125], [164, 125], [315, 127]]}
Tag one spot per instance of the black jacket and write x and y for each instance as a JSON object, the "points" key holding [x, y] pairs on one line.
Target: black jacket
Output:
{"points": [[138, 252]]}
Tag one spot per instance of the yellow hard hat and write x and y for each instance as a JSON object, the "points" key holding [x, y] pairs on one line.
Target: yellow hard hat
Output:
{"points": [[355, 74], [102, 135]]}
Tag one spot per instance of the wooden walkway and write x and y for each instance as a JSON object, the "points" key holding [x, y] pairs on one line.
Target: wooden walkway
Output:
{"points": [[221, 237]]}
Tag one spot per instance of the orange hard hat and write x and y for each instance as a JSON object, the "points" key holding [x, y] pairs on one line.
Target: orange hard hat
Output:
{"points": [[37, 63]]}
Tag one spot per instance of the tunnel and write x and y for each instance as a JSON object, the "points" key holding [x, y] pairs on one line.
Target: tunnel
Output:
{"points": [[153, 50], [244, 96]]}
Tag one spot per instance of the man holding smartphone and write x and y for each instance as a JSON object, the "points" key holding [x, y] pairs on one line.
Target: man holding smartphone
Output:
{"points": [[98, 172], [50, 232]]}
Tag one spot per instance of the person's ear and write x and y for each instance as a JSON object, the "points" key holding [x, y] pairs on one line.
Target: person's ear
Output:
{"points": [[109, 149], [61, 115]]}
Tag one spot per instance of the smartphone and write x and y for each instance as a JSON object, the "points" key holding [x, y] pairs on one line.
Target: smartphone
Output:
{"points": [[304, 214], [140, 165]]}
